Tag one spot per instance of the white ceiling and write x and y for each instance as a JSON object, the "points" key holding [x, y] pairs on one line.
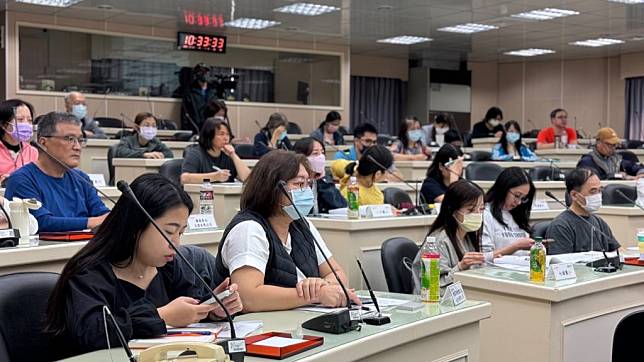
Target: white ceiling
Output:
{"points": [[361, 22]]}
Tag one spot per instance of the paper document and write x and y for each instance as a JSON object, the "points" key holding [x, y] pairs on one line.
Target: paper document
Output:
{"points": [[243, 328], [383, 302], [149, 342], [279, 342]]}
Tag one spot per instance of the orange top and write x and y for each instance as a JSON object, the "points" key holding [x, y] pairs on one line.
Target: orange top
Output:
{"points": [[547, 135]]}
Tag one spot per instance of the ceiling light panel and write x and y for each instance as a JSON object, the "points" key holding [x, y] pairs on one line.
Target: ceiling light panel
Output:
{"points": [[627, 2], [405, 40], [599, 42], [56, 3], [250, 23], [306, 9], [545, 14], [532, 52], [468, 28]]}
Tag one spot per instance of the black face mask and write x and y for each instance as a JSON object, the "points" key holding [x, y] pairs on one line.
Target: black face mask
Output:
{"points": [[202, 78]]}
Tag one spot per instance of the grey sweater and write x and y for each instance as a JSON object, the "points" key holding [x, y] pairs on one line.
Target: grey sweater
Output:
{"points": [[129, 147], [448, 263], [572, 235]]}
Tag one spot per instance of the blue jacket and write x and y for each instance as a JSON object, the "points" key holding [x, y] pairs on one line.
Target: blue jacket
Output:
{"points": [[499, 154]]}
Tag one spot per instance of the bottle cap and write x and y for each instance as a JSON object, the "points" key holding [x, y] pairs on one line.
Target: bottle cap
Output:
{"points": [[206, 180], [538, 239]]}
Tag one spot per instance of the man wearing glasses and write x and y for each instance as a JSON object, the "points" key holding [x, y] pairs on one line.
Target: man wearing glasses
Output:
{"points": [[605, 162], [69, 201], [547, 136], [365, 135], [572, 235]]}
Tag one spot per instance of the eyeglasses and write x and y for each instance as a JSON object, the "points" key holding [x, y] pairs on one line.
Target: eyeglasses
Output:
{"points": [[300, 183], [367, 142], [523, 199], [70, 140]]}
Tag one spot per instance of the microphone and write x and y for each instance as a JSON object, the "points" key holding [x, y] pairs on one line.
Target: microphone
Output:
{"points": [[69, 169], [378, 319], [334, 322], [119, 334], [606, 268], [192, 122], [234, 346], [418, 195]]}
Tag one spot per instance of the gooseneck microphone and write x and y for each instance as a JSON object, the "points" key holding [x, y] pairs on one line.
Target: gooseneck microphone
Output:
{"points": [[119, 334], [333, 322], [608, 267], [233, 346], [419, 196], [69, 169]]}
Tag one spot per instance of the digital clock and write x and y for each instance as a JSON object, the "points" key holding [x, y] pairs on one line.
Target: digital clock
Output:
{"points": [[201, 42]]}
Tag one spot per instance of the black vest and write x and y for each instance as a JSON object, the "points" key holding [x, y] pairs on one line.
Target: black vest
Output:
{"points": [[280, 269]]}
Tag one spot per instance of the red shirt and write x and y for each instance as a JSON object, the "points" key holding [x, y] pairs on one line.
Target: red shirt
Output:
{"points": [[547, 135]]}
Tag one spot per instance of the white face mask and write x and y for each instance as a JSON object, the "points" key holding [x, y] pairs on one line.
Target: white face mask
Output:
{"points": [[494, 122], [593, 202], [441, 130]]}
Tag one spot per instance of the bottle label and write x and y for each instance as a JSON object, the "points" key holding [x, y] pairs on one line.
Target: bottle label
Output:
{"points": [[353, 201]]}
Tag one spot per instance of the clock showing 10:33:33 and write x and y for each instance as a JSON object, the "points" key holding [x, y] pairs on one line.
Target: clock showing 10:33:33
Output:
{"points": [[201, 42]]}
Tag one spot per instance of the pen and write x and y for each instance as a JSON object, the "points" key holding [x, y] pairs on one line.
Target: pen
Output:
{"points": [[216, 168], [189, 333]]}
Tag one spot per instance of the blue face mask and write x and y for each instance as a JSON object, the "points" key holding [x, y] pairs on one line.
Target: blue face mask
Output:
{"points": [[303, 199], [79, 110], [415, 135], [282, 136], [512, 137]]}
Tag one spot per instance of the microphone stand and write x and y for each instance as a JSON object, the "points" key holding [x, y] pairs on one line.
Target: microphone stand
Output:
{"points": [[119, 334], [337, 322], [235, 347], [608, 267]]}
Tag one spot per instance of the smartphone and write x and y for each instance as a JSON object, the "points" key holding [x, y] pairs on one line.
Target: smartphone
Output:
{"points": [[221, 296]]}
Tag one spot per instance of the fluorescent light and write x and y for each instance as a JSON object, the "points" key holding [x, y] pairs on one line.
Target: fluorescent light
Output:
{"points": [[56, 3], [529, 52], [249, 23], [405, 40], [599, 42], [627, 2], [306, 9], [468, 28], [545, 14]]}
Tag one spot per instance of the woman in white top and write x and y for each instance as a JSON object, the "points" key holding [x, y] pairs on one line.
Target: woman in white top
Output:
{"points": [[269, 252], [507, 213]]}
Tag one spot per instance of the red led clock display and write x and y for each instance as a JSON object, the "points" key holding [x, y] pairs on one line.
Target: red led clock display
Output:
{"points": [[201, 42]]}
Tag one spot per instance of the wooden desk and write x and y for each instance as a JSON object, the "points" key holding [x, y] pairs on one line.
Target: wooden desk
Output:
{"points": [[98, 148], [558, 188], [436, 333], [227, 197], [112, 192], [161, 133], [52, 257], [574, 154], [330, 151], [128, 169], [416, 170], [570, 320], [623, 222], [486, 143]]}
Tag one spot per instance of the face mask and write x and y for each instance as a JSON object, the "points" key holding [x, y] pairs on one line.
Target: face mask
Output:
{"points": [[471, 222], [22, 132], [512, 137], [415, 135], [317, 164], [441, 130], [79, 110], [494, 122], [148, 132], [303, 199], [593, 202], [282, 136], [202, 78]]}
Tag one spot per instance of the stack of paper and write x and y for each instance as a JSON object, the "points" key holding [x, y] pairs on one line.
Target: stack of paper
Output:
{"points": [[242, 328]]}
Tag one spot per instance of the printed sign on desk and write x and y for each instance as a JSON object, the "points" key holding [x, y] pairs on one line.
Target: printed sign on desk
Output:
{"points": [[454, 295], [201, 221], [98, 180], [563, 271]]}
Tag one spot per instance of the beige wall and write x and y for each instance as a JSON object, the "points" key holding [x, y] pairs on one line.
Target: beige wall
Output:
{"points": [[242, 115], [368, 66], [592, 90]]}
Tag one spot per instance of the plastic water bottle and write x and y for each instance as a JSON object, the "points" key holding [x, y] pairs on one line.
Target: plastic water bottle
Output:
{"points": [[353, 195], [430, 271], [538, 261], [640, 242], [206, 198]]}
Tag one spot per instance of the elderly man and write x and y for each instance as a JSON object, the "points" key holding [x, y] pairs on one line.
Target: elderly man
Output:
{"points": [[76, 105], [559, 121], [69, 201], [605, 162]]}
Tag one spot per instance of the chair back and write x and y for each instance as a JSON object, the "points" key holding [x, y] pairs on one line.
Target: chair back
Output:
{"points": [[23, 305], [545, 173], [172, 170], [396, 197], [109, 122], [245, 151], [293, 128], [393, 252], [479, 155], [482, 171], [611, 197], [626, 336], [539, 229]]}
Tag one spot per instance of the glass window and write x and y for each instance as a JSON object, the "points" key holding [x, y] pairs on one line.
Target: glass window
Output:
{"points": [[59, 60]]}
